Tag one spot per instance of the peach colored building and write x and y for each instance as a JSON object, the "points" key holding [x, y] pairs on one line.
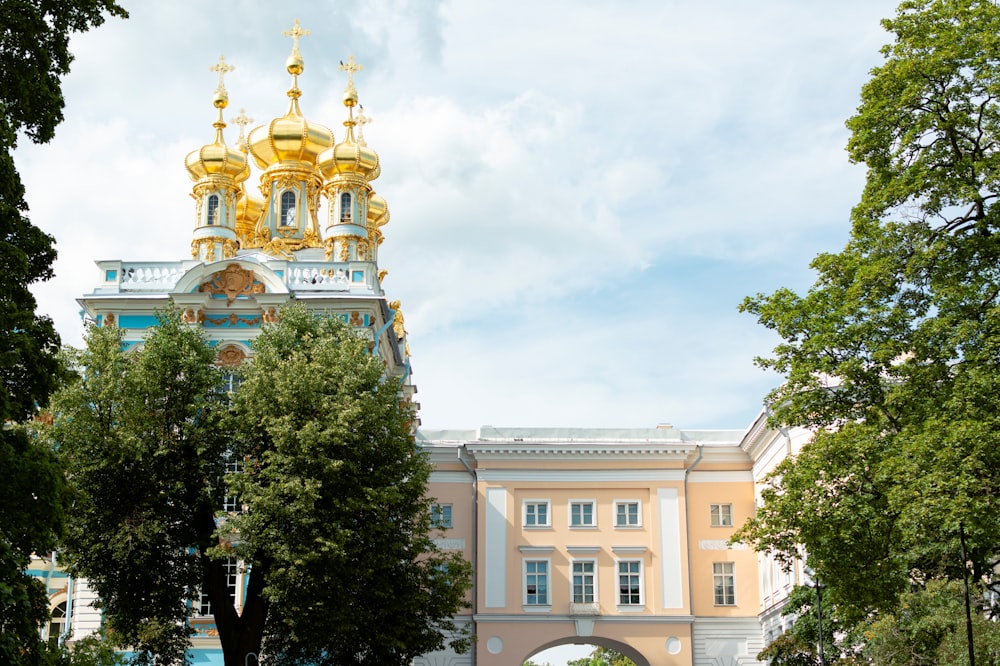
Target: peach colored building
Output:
{"points": [[608, 537]]}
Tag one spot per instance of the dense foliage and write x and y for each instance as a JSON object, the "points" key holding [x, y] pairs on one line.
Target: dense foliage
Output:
{"points": [[335, 530], [893, 355], [34, 55]]}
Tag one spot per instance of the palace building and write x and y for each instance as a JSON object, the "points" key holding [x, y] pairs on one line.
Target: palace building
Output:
{"points": [[617, 538]]}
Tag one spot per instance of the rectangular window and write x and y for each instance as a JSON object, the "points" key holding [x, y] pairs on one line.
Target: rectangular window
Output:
{"points": [[630, 583], [232, 569], [536, 513], [722, 515], [724, 578], [627, 514], [441, 516], [581, 514], [583, 582], [234, 465], [536, 582]]}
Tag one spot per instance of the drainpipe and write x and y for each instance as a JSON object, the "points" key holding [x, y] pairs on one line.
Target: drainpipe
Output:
{"points": [[67, 628], [378, 336], [687, 529], [475, 542]]}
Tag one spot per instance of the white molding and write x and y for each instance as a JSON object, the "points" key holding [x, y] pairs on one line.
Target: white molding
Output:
{"points": [[536, 549], [580, 475], [629, 550], [450, 477], [721, 477], [583, 549]]}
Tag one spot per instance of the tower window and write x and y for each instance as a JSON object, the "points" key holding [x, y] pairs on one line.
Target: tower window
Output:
{"points": [[213, 210], [287, 209], [345, 207]]}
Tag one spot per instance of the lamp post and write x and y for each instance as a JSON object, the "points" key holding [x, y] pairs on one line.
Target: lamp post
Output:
{"points": [[819, 610], [247, 658]]}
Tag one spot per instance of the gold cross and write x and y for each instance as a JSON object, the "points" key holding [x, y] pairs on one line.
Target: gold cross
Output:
{"points": [[295, 33], [350, 68], [361, 120], [223, 68], [242, 120]]}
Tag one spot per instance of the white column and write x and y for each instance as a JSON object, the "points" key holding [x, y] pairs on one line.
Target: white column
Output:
{"points": [[670, 548], [495, 578]]}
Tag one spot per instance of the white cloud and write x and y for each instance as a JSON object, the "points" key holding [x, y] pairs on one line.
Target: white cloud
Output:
{"points": [[581, 192]]}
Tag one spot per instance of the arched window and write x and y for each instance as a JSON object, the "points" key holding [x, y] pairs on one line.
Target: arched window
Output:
{"points": [[213, 210], [345, 207], [287, 209], [57, 624]]}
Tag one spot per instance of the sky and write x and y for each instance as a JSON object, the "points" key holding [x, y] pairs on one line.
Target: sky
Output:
{"points": [[581, 192]]}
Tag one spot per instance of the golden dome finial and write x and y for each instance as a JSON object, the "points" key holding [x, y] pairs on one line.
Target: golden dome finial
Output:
{"points": [[295, 65], [242, 120], [361, 120], [221, 97], [350, 94]]}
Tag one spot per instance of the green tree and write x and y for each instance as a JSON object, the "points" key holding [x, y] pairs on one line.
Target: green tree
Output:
{"points": [[34, 54], [140, 435], [893, 355], [928, 629], [336, 533], [338, 516], [602, 656]]}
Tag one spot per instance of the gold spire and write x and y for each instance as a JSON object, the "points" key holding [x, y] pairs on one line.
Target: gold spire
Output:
{"points": [[295, 65], [242, 120]]}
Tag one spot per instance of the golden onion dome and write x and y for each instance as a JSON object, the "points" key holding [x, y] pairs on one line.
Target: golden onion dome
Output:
{"points": [[248, 211], [378, 211], [349, 156], [217, 158], [290, 138]]}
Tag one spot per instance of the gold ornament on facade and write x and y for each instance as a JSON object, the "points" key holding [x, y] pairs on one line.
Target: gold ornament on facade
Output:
{"points": [[328, 248], [356, 319], [229, 248], [233, 281], [381, 275], [397, 319], [270, 316], [230, 356], [345, 252], [109, 319]]}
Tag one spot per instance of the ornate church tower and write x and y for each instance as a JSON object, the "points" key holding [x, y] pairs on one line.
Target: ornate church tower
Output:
{"points": [[355, 211], [217, 171], [286, 150]]}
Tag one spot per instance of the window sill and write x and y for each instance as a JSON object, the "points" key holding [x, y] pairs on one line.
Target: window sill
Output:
{"points": [[532, 608], [631, 608]]}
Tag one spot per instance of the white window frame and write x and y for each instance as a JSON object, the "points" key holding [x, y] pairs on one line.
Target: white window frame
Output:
{"points": [[582, 503], [638, 514], [285, 207], [591, 575], [721, 515], [535, 503], [641, 574], [212, 211], [233, 568], [526, 602], [723, 573], [442, 516]]}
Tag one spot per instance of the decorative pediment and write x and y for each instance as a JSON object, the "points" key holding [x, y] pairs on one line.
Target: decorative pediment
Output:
{"points": [[231, 356], [233, 281]]}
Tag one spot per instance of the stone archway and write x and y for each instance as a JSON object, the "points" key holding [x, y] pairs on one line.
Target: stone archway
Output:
{"points": [[617, 646]]}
